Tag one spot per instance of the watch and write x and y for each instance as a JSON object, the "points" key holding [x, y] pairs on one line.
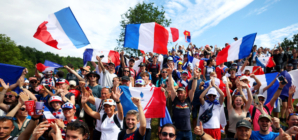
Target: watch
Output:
{"points": [[118, 102]]}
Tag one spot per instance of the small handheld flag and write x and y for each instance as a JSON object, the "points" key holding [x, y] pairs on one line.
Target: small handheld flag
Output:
{"points": [[187, 36]]}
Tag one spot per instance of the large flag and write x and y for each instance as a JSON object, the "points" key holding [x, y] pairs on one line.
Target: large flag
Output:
{"points": [[256, 70], [237, 50], [62, 30], [167, 119], [173, 34], [10, 74], [187, 36], [47, 66], [90, 55], [48, 115], [265, 61], [149, 37], [153, 100], [195, 61]]}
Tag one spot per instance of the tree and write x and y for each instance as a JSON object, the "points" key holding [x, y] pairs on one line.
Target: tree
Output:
{"points": [[141, 13]]}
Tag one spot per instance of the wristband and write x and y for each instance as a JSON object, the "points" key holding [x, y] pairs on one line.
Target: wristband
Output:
{"points": [[202, 134], [118, 102]]}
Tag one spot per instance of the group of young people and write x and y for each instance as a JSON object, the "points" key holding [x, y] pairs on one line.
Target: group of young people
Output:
{"points": [[86, 103]]}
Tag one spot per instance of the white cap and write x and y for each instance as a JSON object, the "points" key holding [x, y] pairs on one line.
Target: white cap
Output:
{"points": [[261, 95], [72, 82], [243, 77], [109, 102], [212, 91], [26, 81]]}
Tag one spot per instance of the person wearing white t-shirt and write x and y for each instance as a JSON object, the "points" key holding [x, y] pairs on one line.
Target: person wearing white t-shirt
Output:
{"points": [[108, 75], [212, 127], [110, 125]]}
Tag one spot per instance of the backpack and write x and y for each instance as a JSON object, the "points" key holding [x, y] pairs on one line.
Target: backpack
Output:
{"points": [[206, 116], [115, 120], [254, 112]]}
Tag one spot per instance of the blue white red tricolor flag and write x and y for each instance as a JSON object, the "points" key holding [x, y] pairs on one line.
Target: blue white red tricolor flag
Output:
{"points": [[90, 55], [48, 115], [256, 70], [173, 34], [194, 61], [47, 66], [265, 61], [153, 100], [237, 50], [148, 37], [62, 30], [187, 36]]}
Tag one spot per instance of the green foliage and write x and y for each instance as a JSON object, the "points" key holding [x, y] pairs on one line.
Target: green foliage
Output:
{"points": [[27, 57], [290, 43], [142, 13]]}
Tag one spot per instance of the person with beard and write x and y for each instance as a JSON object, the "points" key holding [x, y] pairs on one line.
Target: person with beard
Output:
{"points": [[7, 97], [132, 119], [167, 132], [181, 107], [108, 75]]}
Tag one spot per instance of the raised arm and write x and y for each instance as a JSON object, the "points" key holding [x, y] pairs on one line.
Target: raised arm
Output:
{"points": [[36, 73], [222, 95], [5, 86], [100, 64], [13, 112], [256, 87], [171, 82], [142, 128], [229, 98], [292, 90], [243, 66], [31, 95], [239, 87], [39, 130], [267, 87], [116, 96], [204, 71], [122, 60], [278, 92], [202, 101], [21, 78], [87, 109], [194, 85], [74, 72], [249, 96]]}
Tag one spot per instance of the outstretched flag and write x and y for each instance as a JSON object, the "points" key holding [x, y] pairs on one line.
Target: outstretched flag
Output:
{"points": [[61, 30], [173, 34], [153, 100], [187, 36], [90, 55], [237, 50], [148, 37], [47, 66]]}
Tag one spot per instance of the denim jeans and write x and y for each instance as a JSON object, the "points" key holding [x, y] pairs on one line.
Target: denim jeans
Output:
{"points": [[184, 135]]}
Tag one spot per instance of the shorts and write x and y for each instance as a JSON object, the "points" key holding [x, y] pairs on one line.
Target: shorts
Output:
{"points": [[277, 108], [215, 133], [284, 98]]}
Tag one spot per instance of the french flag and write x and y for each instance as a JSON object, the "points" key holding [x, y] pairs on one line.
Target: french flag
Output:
{"points": [[265, 61], [47, 66], [195, 61], [237, 50], [219, 83], [90, 55], [48, 115], [256, 70], [187, 36], [148, 37], [173, 34], [153, 100], [61, 30]]}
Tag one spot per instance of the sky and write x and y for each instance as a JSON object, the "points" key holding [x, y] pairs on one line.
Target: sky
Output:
{"points": [[213, 22]]}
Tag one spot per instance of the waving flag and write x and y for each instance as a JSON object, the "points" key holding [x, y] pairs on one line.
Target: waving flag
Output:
{"points": [[167, 119], [153, 100], [62, 30], [48, 115], [90, 55], [195, 61], [237, 50], [187, 36], [256, 70], [265, 61], [149, 37], [10, 74], [47, 66], [173, 34]]}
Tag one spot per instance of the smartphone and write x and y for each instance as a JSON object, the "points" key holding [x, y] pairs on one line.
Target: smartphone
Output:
{"points": [[102, 56], [282, 79]]}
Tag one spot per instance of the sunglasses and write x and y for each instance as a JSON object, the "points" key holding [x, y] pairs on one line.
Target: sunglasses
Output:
{"points": [[32, 82], [10, 96], [212, 95], [22, 109], [126, 71], [92, 76], [164, 72], [139, 82], [261, 99], [6, 117], [171, 135]]}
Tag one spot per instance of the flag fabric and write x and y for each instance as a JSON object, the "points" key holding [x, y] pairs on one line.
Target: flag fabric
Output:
{"points": [[10, 74], [294, 77], [220, 71], [187, 36], [167, 119], [219, 83], [61, 30], [48, 115], [256, 70], [195, 61], [90, 55], [237, 50], [149, 37], [265, 61], [47, 66], [173, 34], [151, 99]]}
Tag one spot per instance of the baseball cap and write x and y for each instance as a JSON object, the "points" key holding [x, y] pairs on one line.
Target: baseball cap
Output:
{"points": [[111, 63], [109, 102], [184, 72], [290, 65], [142, 64], [55, 99], [261, 95], [126, 78], [62, 81], [212, 91], [68, 106], [243, 77], [72, 82], [170, 59], [265, 116], [181, 89], [243, 123], [140, 82], [180, 63], [131, 60]]}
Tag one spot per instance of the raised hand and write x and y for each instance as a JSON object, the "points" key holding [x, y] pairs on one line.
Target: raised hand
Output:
{"points": [[40, 129], [252, 76], [59, 123], [25, 71], [82, 84], [4, 85], [57, 132], [116, 95], [66, 67], [98, 58], [136, 101], [198, 130], [276, 122], [283, 135], [84, 98], [170, 69], [23, 97]]}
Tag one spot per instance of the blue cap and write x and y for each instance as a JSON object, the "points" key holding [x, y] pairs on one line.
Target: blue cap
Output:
{"points": [[68, 106], [184, 72]]}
